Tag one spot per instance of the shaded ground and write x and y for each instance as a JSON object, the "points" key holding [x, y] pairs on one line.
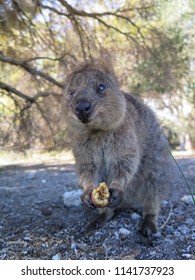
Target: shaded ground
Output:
{"points": [[34, 224]]}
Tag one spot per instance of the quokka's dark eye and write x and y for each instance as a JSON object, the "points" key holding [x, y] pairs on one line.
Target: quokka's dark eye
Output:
{"points": [[101, 87]]}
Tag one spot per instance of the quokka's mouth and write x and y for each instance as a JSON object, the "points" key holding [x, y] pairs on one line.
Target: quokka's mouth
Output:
{"points": [[85, 121], [84, 118]]}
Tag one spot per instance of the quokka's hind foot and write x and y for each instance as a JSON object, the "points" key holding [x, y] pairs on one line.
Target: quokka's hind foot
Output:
{"points": [[149, 226], [150, 216]]}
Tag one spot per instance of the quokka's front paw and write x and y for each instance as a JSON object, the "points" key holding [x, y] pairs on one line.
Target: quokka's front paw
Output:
{"points": [[86, 198], [116, 197]]}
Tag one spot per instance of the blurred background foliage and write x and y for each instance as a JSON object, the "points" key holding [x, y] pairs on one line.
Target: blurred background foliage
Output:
{"points": [[153, 49]]}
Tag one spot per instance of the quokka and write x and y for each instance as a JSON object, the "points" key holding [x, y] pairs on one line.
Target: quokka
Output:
{"points": [[116, 139]]}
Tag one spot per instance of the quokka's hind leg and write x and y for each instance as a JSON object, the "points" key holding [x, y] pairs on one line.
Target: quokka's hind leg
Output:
{"points": [[150, 216], [105, 215]]}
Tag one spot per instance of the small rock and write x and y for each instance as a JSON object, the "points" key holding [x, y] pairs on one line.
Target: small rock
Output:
{"points": [[24, 252], [116, 234], [72, 198], [187, 199], [57, 257], [169, 229], [45, 245], [157, 234], [164, 202], [124, 232], [75, 244], [27, 238], [135, 216], [152, 252], [187, 256], [128, 257], [74, 247], [43, 181], [31, 175]]}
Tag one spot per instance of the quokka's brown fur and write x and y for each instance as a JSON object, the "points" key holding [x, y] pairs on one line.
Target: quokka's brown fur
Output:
{"points": [[116, 139]]}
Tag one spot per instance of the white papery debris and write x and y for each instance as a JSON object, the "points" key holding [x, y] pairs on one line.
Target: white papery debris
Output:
{"points": [[72, 198]]}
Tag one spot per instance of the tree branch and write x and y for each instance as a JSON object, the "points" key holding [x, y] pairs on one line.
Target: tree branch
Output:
{"points": [[33, 99], [25, 65], [16, 92], [96, 16], [82, 13]]}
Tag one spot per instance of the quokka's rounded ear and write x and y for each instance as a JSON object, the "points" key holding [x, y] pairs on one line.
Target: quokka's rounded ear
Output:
{"points": [[106, 61]]}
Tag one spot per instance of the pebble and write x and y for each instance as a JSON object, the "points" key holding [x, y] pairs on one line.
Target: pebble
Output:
{"points": [[135, 216], [157, 234], [74, 247], [57, 257], [24, 252], [31, 175], [116, 235], [27, 238], [152, 253], [187, 256], [124, 232], [187, 199], [164, 202], [169, 229]]}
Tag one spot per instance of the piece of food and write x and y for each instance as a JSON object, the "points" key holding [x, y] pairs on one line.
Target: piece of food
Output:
{"points": [[100, 195]]}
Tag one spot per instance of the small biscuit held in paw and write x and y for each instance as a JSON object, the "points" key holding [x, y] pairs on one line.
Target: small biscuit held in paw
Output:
{"points": [[100, 196]]}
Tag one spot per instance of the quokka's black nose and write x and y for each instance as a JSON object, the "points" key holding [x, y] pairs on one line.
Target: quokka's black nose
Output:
{"points": [[83, 110]]}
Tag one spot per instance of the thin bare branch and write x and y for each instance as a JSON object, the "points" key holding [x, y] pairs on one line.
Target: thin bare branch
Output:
{"points": [[54, 10], [11, 89], [96, 16], [33, 99], [25, 65], [82, 13]]}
